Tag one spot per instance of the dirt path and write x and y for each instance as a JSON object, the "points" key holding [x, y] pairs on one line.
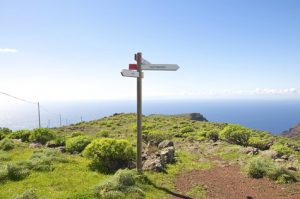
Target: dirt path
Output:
{"points": [[229, 183]]}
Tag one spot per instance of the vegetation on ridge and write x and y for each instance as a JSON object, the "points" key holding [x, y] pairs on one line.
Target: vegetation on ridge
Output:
{"points": [[94, 148]]}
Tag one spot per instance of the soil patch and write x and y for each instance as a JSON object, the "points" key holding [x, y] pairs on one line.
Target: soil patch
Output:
{"points": [[229, 183]]}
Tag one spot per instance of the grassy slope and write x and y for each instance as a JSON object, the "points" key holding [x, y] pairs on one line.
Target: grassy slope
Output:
{"points": [[74, 176]]}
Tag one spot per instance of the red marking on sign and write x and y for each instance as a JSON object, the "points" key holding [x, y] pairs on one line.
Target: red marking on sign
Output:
{"points": [[132, 66]]}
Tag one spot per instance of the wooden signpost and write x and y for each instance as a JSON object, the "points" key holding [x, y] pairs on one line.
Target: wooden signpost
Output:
{"points": [[135, 70]]}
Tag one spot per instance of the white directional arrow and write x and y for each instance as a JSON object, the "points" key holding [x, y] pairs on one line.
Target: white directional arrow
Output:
{"points": [[130, 73], [144, 61], [162, 67]]}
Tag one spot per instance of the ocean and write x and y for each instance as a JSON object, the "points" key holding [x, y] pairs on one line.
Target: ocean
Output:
{"points": [[273, 116]]}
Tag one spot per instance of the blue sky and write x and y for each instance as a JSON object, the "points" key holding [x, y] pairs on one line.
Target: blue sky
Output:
{"points": [[75, 50]]}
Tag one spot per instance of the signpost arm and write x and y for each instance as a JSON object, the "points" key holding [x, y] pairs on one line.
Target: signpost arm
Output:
{"points": [[139, 113]]}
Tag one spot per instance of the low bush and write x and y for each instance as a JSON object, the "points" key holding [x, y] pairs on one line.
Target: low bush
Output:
{"points": [[60, 140], [259, 143], [102, 134], [77, 144], [4, 132], [21, 134], [156, 135], [212, 135], [124, 184], [109, 154], [4, 156], [28, 194], [258, 167], [236, 134], [76, 133], [3, 173], [187, 129], [43, 160], [261, 167], [282, 149], [281, 174], [7, 144], [41, 135], [17, 171]]}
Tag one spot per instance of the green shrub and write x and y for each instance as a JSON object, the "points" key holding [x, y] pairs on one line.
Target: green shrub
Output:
{"points": [[3, 172], [281, 174], [4, 156], [258, 167], [17, 171], [4, 132], [236, 134], [76, 133], [41, 135], [28, 194], [259, 143], [77, 144], [21, 134], [103, 134], [124, 184], [212, 135], [60, 140], [7, 144], [187, 129], [261, 167], [109, 154], [282, 149], [156, 135], [43, 160]]}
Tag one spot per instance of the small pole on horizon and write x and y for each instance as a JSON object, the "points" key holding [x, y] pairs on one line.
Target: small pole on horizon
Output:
{"points": [[59, 120], [139, 112], [39, 114], [81, 118]]}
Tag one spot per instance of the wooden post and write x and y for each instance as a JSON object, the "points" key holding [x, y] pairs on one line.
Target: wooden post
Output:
{"points": [[139, 113]]}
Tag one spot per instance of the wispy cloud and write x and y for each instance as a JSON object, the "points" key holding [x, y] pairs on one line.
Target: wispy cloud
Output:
{"points": [[258, 92], [8, 50], [274, 91]]}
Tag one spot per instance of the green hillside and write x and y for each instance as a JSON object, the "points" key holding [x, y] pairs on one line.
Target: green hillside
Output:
{"points": [[38, 166]]}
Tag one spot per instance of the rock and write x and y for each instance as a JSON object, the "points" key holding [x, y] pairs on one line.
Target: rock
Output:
{"points": [[152, 143], [285, 157], [291, 167], [165, 144], [35, 145], [62, 149], [250, 150], [52, 145], [279, 160], [293, 158], [144, 156], [153, 164], [17, 140], [270, 153], [167, 155]]}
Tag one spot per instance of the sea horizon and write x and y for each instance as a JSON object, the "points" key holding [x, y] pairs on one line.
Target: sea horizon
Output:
{"points": [[271, 115]]}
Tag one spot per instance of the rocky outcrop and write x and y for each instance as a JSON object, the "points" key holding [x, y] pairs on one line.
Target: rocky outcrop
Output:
{"points": [[292, 132], [250, 150], [35, 145], [157, 155], [191, 116]]}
